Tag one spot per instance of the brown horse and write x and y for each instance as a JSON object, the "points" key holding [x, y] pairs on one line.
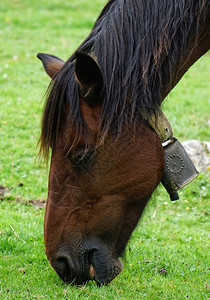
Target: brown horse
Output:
{"points": [[106, 160]]}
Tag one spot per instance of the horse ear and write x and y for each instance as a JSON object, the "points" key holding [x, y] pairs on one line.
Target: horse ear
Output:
{"points": [[89, 77], [52, 64]]}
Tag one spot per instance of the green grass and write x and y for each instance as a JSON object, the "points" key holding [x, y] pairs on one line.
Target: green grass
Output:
{"points": [[170, 235]]}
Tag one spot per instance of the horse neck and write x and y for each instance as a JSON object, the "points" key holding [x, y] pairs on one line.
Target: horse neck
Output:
{"points": [[198, 46]]}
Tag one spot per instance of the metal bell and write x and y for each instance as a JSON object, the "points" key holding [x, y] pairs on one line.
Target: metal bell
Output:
{"points": [[179, 169]]}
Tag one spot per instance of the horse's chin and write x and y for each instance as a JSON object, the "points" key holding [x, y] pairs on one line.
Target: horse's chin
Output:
{"points": [[104, 274]]}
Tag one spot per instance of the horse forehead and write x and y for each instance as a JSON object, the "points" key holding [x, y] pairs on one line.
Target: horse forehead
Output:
{"points": [[91, 115]]}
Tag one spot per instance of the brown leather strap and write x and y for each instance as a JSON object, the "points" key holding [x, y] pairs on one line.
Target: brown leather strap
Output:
{"points": [[161, 126]]}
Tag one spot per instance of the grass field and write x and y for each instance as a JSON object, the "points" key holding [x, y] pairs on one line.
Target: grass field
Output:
{"points": [[171, 235]]}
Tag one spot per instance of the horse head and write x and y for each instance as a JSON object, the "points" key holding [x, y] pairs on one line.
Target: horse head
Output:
{"points": [[96, 193]]}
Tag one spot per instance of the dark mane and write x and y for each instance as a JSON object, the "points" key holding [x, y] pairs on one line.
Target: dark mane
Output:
{"points": [[137, 44]]}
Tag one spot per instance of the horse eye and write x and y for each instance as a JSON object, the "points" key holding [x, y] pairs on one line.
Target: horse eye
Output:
{"points": [[81, 158]]}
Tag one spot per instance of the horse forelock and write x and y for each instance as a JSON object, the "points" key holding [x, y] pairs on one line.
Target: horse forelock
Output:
{"points": [[138, 44]]}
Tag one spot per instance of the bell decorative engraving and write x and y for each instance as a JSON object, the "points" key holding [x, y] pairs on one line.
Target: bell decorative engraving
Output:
{"points": [[179, 169]]}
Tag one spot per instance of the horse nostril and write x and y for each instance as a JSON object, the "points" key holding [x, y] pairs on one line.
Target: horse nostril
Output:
{"points": [[61, 263], [62, 268]]}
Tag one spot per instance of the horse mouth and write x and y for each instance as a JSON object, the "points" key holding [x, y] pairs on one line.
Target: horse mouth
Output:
{"points": [[91, 273], [94, 269]]}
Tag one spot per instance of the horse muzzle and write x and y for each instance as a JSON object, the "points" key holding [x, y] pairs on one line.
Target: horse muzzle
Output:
{"points": [[95, 263]]}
